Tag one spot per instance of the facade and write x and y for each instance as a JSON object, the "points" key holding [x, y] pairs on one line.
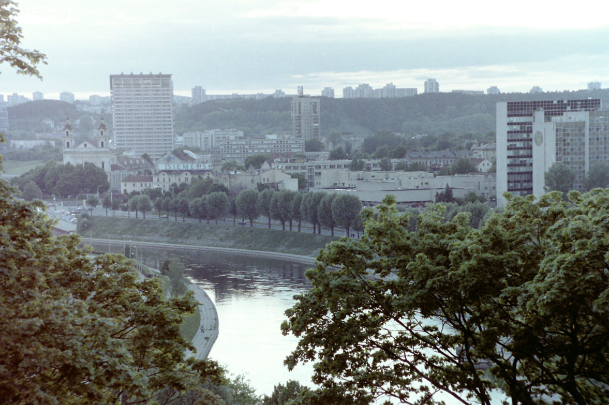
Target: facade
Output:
{"points": [[142, 113], [328, 92], [533, 135], [208, 139], [135, 182], [348, 92], [431, 86], [436, 159], [97, 151], [484, 151], [305, 116], [493, 90], [272, 145], [16, 99], [37, 95], [165, 178], [67, 97], [198, 94], [3, 117], [594, 86]]}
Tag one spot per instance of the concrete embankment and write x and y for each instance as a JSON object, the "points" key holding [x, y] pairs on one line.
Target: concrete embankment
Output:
{"points": [[209, 328]]}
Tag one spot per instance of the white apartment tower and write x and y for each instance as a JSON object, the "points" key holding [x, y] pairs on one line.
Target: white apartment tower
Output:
{"points": [[328, 92], [142, 113], [37, 95], [305, 116], [432, 86], [594, 86], [198, 94], [533, 135], [67, 97]]}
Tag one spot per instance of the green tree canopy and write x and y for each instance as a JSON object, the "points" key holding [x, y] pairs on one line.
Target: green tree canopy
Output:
{"points": [[597, 176], [314, 145], [31, 191], [144, 204], [345, 210], [256, 161], [559, 177], [414, 315], [217, 205], [246, 205], [337, 154]]}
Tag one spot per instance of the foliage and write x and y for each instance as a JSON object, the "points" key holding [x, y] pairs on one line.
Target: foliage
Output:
{"points": [[303, 183], [385, 164], [106, 202], [217, 205], [81, 329], [263, 204], [326, 218], [282, 394], [39, 152], [309, 208], [92, 201], [463, 166], [414, 315], [31, 191], [256, 161], [176, 278], [144, 204], [559, 177], [445, 196], [346, 209], [337, 154], [314, 145], [281, 207], [334, 137], [597, 176], [381, 139], [246, 205], [11, 52]]}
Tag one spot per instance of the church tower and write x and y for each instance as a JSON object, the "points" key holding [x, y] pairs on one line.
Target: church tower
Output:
{"points": [[103, 136], [68, 136]]}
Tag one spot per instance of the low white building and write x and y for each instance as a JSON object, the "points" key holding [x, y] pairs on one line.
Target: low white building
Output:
{"points": [[135, 182]]}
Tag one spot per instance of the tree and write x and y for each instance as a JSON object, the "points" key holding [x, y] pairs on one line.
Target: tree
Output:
{"points": [[167, 206], [559, 177], [345, 209], [92, 201], [158, 205], [385, 164], [176, 278], [314, 145], [182, 206], [256, 161], [144, 204], [414, 314], [133, 204], [78, 328], [31, 191], [335, 137], [282, 394], [194, 208], [357, 164], [303, 183], [281, 207], [22, 60], [246, 205], [337, 154], [232, 209], [106, 202], [217, 205], [398, 152], [296, 212], [309, 208], [263, 204], [116, 205], [597, 176], [325, 212], [445, 196], [463, 166]]}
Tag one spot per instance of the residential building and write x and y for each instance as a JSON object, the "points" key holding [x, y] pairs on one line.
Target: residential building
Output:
{"points": [[142, 113], [328, 92], [126, 166], [3, 117], [493, 90], [535, 90], [266, 176], [67, 97], [135, 182], [198, 94], [208, 139], [305, 116], [348, 92], [37, 95], [278, 94], [364, 90], [273, 145], [16, 99], [594, 86], [96, 100], [431, 86], [484, 151], [165, 178], [435, 160], [533, 135], [405, 92]]}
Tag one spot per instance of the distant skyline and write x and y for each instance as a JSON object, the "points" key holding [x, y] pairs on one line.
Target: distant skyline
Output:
{"points": [[240, 46]]}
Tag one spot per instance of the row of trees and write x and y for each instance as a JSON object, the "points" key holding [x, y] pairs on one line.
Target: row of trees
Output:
{"points": [[561, 178]]}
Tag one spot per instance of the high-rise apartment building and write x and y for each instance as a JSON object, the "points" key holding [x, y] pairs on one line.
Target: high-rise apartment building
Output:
{"points": [[594, 86], [533, 135], [328, 92], [305, 116], [3, 117], [67, 97], [142, 113], [37, 95], [493, 90], [348, 92], [16, 99], [198, 94], [431, 86]]}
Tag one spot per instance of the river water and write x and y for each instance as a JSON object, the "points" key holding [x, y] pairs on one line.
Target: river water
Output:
{"points": [[251, 296]]}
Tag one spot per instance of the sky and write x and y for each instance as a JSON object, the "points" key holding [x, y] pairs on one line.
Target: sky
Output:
{"points": [[252, 46]]}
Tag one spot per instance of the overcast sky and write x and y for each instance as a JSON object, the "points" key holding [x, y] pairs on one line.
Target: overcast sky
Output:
{"points": [[250, 46]]}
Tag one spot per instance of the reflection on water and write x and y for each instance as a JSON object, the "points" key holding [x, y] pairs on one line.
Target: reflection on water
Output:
{"points": [[251, 295]]}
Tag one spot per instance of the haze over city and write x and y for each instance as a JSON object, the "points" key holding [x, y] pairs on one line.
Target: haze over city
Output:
{"points": [[249, 47]]}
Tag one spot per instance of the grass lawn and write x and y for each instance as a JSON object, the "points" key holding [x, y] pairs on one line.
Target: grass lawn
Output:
{"points": [[17, 167]]}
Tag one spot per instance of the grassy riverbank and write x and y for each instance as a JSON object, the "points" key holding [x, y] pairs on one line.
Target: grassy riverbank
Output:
{"points": [[192, 233]]}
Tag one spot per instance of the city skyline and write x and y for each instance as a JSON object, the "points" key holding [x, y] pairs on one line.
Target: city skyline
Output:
{"points": [[252, 47]]}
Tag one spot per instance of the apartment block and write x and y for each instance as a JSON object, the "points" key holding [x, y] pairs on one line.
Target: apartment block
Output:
{"points": [[431, 86], [210, 139], [533, 135], [67, 97], [594, 86], [142, 112], [493, 90], [37, 95], [328, 92], [272, 145], [305, 116]]}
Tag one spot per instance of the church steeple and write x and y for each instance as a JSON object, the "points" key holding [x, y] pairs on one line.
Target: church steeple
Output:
{"points": [[68, 139], [103, 135]]}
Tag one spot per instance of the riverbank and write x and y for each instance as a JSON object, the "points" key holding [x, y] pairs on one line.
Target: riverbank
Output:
{"points": [[201, 234]]}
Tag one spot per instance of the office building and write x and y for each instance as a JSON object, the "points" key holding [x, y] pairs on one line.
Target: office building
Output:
{"points": [[142, 113], [493, 90], [533, 135], [328, 92], [67, 97], [594, 86], [431, 86], [273, 145], [37, 95], [305, 116], [198, 94], [210, 138]]}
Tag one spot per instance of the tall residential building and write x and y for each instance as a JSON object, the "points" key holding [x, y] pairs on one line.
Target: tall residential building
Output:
{"points": [[278, 94], [305, 116], [364, 90], [348, 92], [533, 135], [328, 92], [198, 94], [594, 86], [493, 90], [37, 95], [536, 89], [142, 113], [16, 99], [432, 86], [3, 117], [67, 97]]}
